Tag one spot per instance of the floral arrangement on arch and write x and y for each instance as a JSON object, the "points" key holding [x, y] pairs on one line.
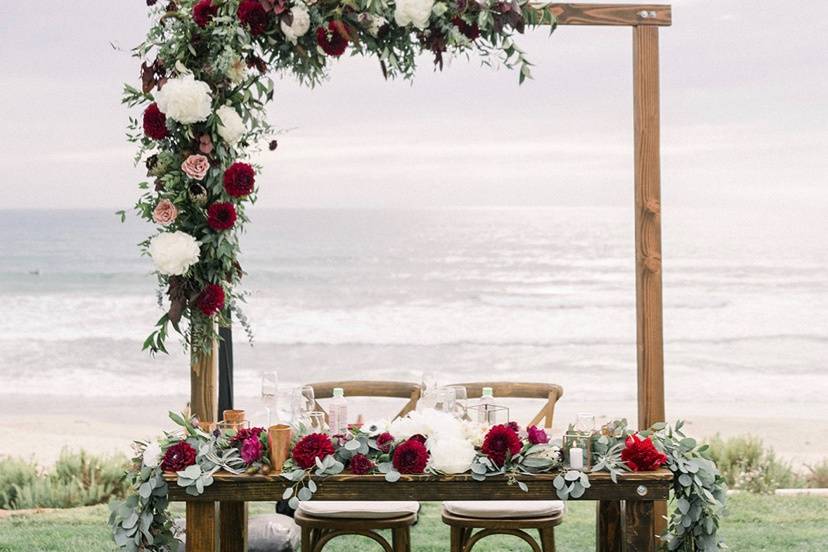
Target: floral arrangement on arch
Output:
{"points": [[427, 442], [203, 91]]}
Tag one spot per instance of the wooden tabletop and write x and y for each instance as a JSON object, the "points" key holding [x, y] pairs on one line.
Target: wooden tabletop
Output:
{"points": [[253, 488]]}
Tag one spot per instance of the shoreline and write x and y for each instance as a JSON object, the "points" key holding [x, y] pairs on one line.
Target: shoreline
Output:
{"points": [[38, 427]]}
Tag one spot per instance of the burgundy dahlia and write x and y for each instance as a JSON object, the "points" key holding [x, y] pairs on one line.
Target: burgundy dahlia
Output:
{"points": [[239, 179], [469, 30], [537, 435], [384, 441], [178, 457], [244, 433], [500, 441], [410, 457], [155, 122], [221, 216], [641, 454], [252, 14], [251, 450], [332, 39], [361, 465], [203, 12], [310, 447], [210, 300]]}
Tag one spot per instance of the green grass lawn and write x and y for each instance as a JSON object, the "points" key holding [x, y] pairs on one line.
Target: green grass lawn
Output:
{"points": [[754, 524]]}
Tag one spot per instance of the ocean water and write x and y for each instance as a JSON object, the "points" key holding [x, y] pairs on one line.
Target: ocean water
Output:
{"points": [[543, 294]]}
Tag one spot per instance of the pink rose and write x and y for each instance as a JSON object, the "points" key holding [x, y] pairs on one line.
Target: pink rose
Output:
{"points": [[196, 166], [164, 213]]}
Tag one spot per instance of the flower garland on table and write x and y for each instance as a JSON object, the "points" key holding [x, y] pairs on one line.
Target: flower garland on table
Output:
{"points": [[422, 442], [203, 96]]}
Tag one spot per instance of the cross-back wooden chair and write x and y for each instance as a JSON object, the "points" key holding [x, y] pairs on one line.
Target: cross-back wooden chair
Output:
{"points": [[322, 521], [368, 388], [508, 517]]}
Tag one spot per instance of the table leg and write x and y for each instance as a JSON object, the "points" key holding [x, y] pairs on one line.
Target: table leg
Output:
{"points": [[639, 530], [201, 527], [609, 530], [233, 526]]}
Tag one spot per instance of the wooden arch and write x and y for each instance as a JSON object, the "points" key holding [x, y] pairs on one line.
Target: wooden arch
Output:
{"points": [[645, 19]]}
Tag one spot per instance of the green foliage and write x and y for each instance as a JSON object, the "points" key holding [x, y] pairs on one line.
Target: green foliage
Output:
{"points": [[817, 476], [76, 479], [748, 465]]}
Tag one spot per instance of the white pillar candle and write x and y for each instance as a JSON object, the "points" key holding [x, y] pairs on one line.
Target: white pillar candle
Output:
{"points": [[576, 458]]}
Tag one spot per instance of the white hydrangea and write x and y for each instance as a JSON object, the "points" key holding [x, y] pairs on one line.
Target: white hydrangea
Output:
{"points": [[299, 25], [428, 423], [185, 100], [173, 252], [231, 125], [450, 455], [414, 12], [152, 455]]}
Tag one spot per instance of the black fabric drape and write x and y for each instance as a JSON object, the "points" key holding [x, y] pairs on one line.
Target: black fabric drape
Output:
{"points": [[225, 375]]}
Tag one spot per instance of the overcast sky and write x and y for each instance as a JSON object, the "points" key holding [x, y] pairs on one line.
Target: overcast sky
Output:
{"points": [[744, 116]]}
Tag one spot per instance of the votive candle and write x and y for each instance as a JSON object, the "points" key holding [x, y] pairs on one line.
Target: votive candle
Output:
{"points": [[576, 458]]}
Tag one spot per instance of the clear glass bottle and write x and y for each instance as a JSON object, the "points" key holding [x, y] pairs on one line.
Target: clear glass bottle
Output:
{"points": [[485, 415], [338, 412]]}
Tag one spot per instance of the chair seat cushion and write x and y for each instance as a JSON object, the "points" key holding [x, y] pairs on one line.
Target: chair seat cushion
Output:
{"points": [[357, 509], [511, 509]]}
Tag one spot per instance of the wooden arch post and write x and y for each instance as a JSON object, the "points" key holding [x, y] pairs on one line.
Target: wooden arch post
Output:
{"points": [[617, 525]]}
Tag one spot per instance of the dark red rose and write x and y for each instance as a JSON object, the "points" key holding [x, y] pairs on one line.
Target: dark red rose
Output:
{"points": [[252, 14], [361, 465], [410, 457], [470, 31], [641, 454], [155, 122], [384, 441], [310, 447], [331, 39], [515, 427], [203, 12], [178, 457], [221, 216], [537, 435], [418, 437], [210, 300], [499, 442], [239, 179]]}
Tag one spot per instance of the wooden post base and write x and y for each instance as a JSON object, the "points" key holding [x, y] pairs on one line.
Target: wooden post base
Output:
{"points": [[202, 534]]}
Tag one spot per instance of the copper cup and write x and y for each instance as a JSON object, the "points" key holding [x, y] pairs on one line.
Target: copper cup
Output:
{"points": [[234, 416], [278, 438]]}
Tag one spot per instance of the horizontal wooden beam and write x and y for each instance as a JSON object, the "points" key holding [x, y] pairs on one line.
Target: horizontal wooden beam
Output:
{"points": [[258, 488], [630, 15]]}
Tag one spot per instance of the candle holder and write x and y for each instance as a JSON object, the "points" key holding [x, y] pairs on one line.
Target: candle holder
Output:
{"points": [[576, 447], [278, 438], [488, 414]]}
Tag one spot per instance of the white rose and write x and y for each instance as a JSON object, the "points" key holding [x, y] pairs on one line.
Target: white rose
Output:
{"points": [[237, 71], [173, 252], [372, 23], [231, 126], [152, 455], [475, 432], [185, 100], [300, 24], [415, 12], [450, 456]]}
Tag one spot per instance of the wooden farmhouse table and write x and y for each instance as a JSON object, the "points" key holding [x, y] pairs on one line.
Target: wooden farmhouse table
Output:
{"points": [[625, 514]]}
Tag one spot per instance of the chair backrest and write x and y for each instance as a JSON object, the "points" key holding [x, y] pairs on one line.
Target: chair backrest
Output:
{"points": [[356, 388], [548, 391]]}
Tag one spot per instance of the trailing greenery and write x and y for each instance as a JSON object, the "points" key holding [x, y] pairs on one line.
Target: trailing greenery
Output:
{"points": [[748, 465], [76, 479], [699, 490]]}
